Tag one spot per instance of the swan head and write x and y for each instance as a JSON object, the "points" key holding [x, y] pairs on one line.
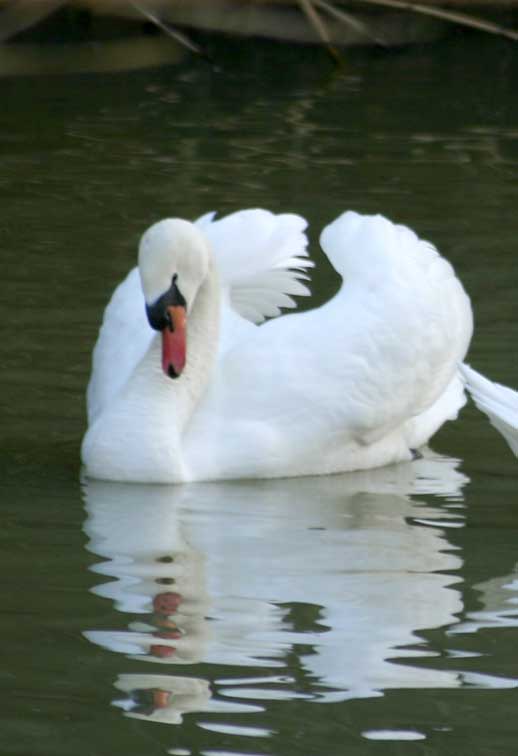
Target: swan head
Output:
{"points": [[174, 260]]}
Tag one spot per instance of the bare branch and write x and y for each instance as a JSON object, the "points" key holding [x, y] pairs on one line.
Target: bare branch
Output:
{"points": [[349, 20], [179, 37], [453, 17], [319, 26]]}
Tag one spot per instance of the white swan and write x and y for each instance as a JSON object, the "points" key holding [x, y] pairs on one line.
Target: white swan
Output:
{"points": [[356, 383]]}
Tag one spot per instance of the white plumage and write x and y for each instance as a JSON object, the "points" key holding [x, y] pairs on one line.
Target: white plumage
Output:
{"points": [[356, 383]]}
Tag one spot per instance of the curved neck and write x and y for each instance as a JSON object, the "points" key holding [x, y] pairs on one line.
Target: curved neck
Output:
{"points": [[177, 398], [140, 437]]}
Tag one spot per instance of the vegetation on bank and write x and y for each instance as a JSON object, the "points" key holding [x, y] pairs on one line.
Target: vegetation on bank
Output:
{"points": [[333, 23]]}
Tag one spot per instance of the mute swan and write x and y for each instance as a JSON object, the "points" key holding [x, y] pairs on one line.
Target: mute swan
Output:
{"points": [[356, 383]]}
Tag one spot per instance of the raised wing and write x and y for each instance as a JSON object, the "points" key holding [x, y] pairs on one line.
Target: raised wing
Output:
{"points": [[416, 317], [262, 259]]}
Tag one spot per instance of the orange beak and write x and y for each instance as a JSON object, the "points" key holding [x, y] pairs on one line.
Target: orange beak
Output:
{"points": [[174, 342]]}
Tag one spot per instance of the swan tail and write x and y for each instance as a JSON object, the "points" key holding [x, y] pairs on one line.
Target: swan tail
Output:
{"points": [[498, 402], [262, 260]]}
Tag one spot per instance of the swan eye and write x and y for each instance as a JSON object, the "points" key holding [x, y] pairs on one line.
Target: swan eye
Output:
{"points": [[155, 316]]}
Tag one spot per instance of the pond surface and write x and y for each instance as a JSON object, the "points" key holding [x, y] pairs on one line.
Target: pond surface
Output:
{"points": [[311, 616]]}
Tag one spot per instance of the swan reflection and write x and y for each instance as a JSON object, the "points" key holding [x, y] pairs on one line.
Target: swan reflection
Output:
{"points": [[300, 588], [499, 598]]}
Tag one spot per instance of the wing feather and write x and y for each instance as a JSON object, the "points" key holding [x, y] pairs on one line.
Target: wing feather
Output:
{"points": [[498, 402], [262, 259]]}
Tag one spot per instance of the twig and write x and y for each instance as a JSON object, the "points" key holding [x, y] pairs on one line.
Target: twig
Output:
{"points": [[22, 14], [453, 17], [320, 28], [179, 37], [349, 20]]}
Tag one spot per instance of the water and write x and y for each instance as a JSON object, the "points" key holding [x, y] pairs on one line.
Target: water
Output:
{"points": [[290, 617]]}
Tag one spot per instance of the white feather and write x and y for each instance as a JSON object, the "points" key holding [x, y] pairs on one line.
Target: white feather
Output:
{"points": [[498, 402], [261, 258]]}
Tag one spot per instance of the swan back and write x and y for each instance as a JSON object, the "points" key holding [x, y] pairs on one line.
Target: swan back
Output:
{"points": [[371, 247]]}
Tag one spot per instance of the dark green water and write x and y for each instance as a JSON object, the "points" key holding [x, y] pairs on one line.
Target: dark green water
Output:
{"points": [[305, 617]]}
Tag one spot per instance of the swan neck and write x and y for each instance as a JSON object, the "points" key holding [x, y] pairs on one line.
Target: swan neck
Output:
{"points": [[202, 347], [179, 397]]}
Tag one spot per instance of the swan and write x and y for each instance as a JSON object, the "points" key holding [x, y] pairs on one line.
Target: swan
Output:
{"points": [[186, 386]]}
